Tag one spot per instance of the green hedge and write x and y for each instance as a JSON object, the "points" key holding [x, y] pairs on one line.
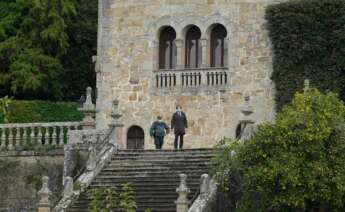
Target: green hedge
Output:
{"points": [[43, 111], [308, 38]]}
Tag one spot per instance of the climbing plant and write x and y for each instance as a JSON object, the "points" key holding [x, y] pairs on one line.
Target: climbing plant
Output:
{"points": [[308, 38]]}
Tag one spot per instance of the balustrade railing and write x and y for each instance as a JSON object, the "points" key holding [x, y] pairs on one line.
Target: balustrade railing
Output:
{"points": [[207, 77], [30, 135]]}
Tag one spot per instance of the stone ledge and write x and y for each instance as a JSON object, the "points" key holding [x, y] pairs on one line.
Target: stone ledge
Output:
{"points": [[14, 153]]}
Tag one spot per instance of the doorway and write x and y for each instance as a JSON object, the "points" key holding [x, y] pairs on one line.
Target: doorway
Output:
{"points": [[135, 138]]}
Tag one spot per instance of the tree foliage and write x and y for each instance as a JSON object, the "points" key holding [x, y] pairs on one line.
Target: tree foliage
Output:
{"points": [[308, 39], [294, 164], [36, 38]]}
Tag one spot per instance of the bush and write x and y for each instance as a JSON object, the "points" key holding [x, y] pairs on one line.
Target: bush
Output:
{"points": [[43, 111], [294, 164], [308, 38]]}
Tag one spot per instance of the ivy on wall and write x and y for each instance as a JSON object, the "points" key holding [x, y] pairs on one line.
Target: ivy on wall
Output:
{"points": [[308, 38]]}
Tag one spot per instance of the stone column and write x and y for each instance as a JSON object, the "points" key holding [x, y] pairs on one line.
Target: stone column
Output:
{"points": [[203, 43], [89, 111], [182, 203], [116, 124], [44, 195], [180, 53]]}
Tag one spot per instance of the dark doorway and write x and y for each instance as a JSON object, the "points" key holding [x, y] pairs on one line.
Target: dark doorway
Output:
{"points": [[135, 138]]}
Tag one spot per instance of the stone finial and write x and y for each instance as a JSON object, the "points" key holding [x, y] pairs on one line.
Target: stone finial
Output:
{"points": [[44, 195], [91, 161], [68, 187], [204, 185], [88, 105], [306, 85], [115, 114], [89, 111], [182, 202]]}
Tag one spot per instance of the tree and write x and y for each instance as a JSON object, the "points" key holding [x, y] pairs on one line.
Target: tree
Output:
{"points": [[46, 48], [294, 164]]}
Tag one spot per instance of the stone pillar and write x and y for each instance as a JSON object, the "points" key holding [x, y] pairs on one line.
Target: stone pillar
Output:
{"points": [[89, 111], [116, 124], [155, 54], [182, 203], [180, 54], [68, 187], [203, 42], [44, 195]]}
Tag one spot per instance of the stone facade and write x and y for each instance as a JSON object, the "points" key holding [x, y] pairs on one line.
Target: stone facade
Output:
{"points": [[127, 66]]}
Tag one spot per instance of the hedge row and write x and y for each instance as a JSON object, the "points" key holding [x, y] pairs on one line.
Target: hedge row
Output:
{"points": [[43, 111], [308, 38]]}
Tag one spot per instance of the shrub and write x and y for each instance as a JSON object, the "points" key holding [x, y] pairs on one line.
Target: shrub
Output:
{"points": [[43, 111], [308, 38], [294, 164]]}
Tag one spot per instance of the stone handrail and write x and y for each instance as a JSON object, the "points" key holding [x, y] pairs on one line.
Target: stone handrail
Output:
{"points": [[26, 135], [186, 78], [96, 161]]}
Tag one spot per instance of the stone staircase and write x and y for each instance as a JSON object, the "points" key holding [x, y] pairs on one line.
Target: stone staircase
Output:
{"points": [[153, 174]]}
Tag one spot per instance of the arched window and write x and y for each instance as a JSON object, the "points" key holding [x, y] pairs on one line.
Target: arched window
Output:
{"points": [[167, 49], [219, 50], [193, 48]]}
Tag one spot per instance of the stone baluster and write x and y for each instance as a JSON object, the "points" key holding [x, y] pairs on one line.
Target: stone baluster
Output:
{"points": [[54, 136], [182, 202], [3, 138], [11, 139], [89, 111], [16, 137], [32, 135], [40, 135], [44, 195]]}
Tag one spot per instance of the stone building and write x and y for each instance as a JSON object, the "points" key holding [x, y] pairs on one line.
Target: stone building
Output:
{"points": [[212, 57]]}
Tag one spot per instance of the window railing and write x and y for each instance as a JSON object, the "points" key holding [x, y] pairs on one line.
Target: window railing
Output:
{"points": [[206, 77]]}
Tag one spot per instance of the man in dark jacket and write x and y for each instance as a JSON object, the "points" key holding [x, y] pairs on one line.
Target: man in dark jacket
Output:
{"points": [[179, 124], [158, 130]]}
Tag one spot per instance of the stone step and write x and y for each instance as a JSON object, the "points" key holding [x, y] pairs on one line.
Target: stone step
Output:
{"points": [[154, 176]]}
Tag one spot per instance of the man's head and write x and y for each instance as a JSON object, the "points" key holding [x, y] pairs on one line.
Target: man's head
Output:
{"points": [[178, 108], [159, 117]]}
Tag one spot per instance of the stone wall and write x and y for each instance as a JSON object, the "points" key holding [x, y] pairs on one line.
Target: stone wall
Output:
{"points": [[127, 59], [20, 178]]}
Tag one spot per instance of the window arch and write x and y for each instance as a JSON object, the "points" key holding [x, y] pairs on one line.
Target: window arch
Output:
{"points": [[219, 49], [193, 47], [167, 48]]}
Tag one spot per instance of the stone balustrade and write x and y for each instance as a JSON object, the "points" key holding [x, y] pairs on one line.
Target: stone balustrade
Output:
{"points": [[185, 78], [28, 135]]}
